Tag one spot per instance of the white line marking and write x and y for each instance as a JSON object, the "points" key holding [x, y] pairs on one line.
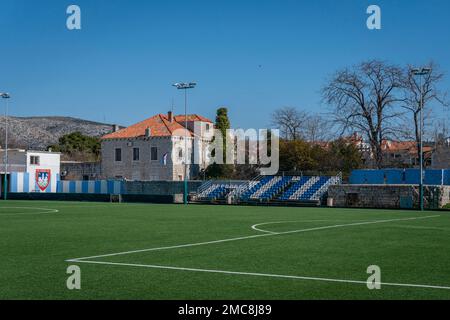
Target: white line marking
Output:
{"points": [[423, 228], [255, 226], [43, 211], [268, 275], [249, 237]]}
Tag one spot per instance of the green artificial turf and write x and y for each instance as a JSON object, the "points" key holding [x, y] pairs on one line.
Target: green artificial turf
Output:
{"points": [[35, 245]]}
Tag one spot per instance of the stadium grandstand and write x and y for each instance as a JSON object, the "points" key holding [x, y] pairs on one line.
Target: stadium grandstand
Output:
{"points": [[269, 190]]}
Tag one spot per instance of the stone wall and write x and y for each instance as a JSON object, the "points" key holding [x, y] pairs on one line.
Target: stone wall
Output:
{"points": [[445, 196], [387, 196]]}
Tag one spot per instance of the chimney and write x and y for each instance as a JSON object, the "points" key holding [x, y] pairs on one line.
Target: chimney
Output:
{"points": [[148, 132], [115, 128], [170, 116]]}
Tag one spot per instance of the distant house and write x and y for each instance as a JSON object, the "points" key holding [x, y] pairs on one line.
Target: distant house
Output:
{"points": [[405, 154], [154, 149], [396, 153], [30, 171]]}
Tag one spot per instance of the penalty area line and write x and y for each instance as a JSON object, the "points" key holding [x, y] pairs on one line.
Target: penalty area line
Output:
{"points": [[251, 237], [266, 275]]}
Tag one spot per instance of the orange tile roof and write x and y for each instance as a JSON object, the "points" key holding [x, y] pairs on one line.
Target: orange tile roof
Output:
{"points": [[191, 117], [159, 125], [406, 146]]}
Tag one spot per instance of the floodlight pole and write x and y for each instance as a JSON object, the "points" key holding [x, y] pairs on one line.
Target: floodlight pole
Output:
{"points": [[421, 146], [421, 72], [6, 96], [185, 87]]}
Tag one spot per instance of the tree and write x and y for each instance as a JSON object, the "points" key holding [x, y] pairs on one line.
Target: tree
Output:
{"points": [[421, 89], [216, 170], [336, 156], [296, 155], [223, 124], [316, 129], [364, 100], [344, 156], [77, 146], [290, 121]]}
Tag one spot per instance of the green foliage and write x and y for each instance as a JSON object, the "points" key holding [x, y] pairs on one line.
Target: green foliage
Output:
{"points": [[224, 171], [296, 155], [77, 145], [344, 156], [221, 170], [222, 121], [335, 156]]}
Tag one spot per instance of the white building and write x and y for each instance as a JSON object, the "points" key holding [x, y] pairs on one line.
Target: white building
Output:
{"points": [[30, 171]]}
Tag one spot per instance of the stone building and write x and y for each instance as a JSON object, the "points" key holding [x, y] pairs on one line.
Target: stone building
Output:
{"points": [[155, 149]]}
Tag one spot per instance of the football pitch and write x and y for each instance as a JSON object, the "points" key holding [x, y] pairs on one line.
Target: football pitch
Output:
{"points": [[149, 251]]}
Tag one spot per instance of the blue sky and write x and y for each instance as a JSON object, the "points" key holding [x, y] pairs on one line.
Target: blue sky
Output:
{"points": [[251, 56]]}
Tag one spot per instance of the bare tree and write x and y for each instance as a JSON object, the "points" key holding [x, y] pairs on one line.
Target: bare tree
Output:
{"points": [[417, 90], [364, 100], [290, 121], [316, 129]]}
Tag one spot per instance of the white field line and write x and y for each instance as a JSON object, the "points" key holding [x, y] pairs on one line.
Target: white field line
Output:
{"points": [[57, 208], [249, 237], [422, 228], [42, 211], [88, 206], [255, 226], [268, 275]]}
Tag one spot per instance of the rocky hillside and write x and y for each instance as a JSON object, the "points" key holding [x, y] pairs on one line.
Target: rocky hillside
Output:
{"points": [[38, 133]]}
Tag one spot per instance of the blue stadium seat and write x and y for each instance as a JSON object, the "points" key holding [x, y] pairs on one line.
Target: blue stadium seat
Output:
{"points": [[275, 189]]}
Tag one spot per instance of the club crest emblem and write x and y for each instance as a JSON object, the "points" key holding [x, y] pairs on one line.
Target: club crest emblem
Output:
{"points": [[43, 179]]}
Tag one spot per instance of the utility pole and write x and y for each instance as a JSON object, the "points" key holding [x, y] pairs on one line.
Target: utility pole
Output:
{"points": [[185, 87], [6, 96], [421, 72]]}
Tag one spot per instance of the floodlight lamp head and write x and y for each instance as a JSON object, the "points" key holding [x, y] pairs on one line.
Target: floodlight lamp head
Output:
{"points": [[5, 95], [184, 85], [421, 71]]}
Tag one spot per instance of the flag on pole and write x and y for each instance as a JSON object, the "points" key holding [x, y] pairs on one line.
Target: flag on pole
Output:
{"points": [[164, 159]]}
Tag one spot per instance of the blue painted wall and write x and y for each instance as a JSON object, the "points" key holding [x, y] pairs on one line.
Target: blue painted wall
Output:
{"points": [[400, 176]]}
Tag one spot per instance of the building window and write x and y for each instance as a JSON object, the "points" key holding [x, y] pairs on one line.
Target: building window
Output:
{"points": [[180, 153], [118, 154], [154, 153], [135, 154], [35, 160], [207, 127]]}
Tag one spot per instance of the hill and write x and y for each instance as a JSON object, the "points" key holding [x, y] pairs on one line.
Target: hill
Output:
{"points": [[37, 133]]}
